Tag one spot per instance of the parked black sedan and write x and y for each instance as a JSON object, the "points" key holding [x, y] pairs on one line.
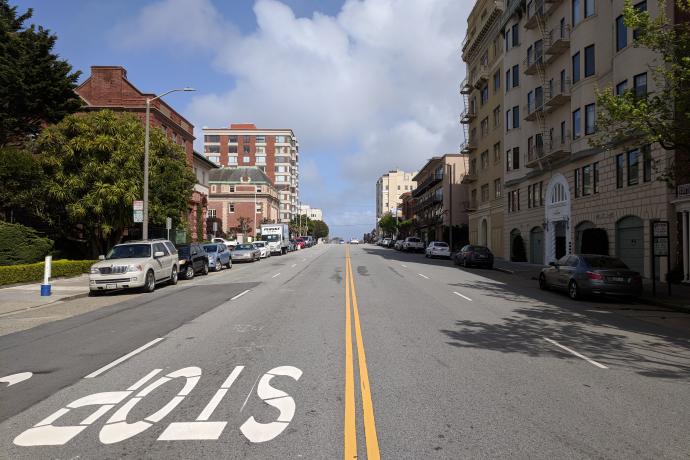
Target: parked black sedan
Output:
{"points": [[193, 260], [583, 274], [471, 254]]}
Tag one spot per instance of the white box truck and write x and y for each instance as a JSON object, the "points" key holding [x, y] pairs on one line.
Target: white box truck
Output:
{"points": [[277, 236]]}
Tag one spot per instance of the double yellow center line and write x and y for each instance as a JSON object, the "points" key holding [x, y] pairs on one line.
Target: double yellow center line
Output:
{"points": [[352, 310]]}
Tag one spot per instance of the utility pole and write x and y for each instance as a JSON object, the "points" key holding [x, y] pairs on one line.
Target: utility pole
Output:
{"points": [[451, 175]]}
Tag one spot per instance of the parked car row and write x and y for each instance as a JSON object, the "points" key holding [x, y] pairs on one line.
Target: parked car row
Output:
{"points": [[144, 264]]}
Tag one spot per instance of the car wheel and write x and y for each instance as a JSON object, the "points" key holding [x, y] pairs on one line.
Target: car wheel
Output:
{"points": [[173, 277], [218, 266], [96, 293], [464, 263], [204, 271], [189, 272], [229, 264], [149, 283], [543, 285], [573, 290]]}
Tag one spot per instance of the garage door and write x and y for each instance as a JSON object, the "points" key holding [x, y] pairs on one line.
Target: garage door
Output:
{"points": [[630, 242]]}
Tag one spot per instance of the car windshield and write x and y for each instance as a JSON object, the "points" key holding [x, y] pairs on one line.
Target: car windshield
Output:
{"points": [[210, 247], [479, 249], [244, 246], [605, 262], [441, 245], [259, 244], [183, 251], [271, 237], [129, 251], [413, 240]]}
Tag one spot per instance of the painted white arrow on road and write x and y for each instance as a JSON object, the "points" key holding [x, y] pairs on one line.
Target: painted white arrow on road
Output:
{"points": [[16, 378]]}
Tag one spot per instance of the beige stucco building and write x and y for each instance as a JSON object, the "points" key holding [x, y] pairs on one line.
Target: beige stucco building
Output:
{"points": [[563, 195], [389, 188], [482, 122]]}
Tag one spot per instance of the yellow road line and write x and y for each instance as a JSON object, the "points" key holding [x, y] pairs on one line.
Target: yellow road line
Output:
{"points": [[370, 434], [350, 447]]}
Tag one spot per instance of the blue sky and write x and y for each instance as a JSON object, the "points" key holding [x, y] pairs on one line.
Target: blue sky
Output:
{"points": [[367, 85]]}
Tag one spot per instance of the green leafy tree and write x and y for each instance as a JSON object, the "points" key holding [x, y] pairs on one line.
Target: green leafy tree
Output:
{"points": [[319, 229], [21, 180], [22, 245], [388, 224], [93, 167], [662, 115], [244, 225], [35, 86], [301, 225]]}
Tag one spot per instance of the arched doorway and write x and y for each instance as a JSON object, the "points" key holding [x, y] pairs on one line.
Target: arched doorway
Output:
{"points": [[484, 233], [630, 242], [536, 246], [579, 233], [557, 238], [517, 246]]}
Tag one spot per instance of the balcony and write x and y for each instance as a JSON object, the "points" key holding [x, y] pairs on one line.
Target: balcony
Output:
{"points": [[467, 116], [558, 94], [468, 146], [532, 64], [482, 76], [465, 87], [548, 153], [557, 42], [431, 200], [427, 183], [535, 13], [469, 206], [469, 177], [534, 110]]}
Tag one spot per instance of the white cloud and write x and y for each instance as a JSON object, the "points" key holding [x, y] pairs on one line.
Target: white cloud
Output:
{"points": [[377, 83]]}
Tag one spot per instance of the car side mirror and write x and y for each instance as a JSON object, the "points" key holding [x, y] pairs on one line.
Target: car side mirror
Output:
{"points": [[101, 257], [158, 254]]}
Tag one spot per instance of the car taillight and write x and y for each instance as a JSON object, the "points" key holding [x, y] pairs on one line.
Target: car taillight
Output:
{"points": [[595, 276]]}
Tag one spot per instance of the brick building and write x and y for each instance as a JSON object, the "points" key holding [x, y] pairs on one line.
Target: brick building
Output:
{"points": [[234, 194], [273, 151], [108, 88]]}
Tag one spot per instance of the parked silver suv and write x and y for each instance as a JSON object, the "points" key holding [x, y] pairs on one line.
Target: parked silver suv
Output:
{"points": [[135, 264]]}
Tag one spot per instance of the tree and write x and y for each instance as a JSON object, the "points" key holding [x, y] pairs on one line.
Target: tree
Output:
{"points": [[35, 86], [21, 179], [661, 116], [319, 229], [388, 224], [244, 224], [301, 225], [93, 167]]}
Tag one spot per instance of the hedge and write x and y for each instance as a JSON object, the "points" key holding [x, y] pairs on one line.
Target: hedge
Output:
{"points": [[22, 245], [12, 274]]}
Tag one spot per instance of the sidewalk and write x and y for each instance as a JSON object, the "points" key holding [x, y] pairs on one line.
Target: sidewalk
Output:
{"points": [[679, 300], [28, 296]]}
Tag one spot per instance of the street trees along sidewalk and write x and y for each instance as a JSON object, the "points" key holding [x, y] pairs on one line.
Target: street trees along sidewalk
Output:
{"points": [[93, 168]]}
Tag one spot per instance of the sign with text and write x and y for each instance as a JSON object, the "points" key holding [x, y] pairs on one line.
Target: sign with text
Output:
{"points": [[138, 211]]}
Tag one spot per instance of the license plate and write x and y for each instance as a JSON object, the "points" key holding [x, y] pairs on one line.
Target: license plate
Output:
{"points": [[620, 279], [111, 286], [481, 257]]}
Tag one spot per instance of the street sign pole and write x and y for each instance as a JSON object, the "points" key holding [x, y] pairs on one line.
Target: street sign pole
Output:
{"points": [[168, 225]]}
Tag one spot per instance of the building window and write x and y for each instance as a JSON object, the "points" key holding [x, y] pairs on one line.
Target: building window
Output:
{"points": [[232, 189], [515, 35], [231, 207], [485, 159], [497, 117], [621, 33], [246, 149], [232, 160], [212, 148], [232, 149], [232, 139], [516, 157], [589, 8], [261, 139], [640, 84], [576, 124], [473, 198], [211, 213], [484, 95], [642, 6], [576, 67], [497, 81], [507, 80], [484, 126], [245, 160], [261, 160], [646, 163], [516, 75], [633, 167], [576, 14], [587, 180], [529, 196], [595, 177], [485, 193], [247, 139], [509, 160], [576, 181], [620, 165], [260, 208], [497, 152], [498, 190], [590, 64], [212, 138], [621, 87], [516, 117], [590, 119], [563, 133]]}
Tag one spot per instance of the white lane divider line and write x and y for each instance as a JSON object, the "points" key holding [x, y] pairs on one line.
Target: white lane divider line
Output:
{"points": [[240, 295], [293, 265], [404, 265], [250, 393], [123, 358], [463, 296], [277, 274], [589, 360], [423, 276]]}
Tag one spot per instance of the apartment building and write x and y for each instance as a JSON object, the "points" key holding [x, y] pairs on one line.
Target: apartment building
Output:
{"points": [[311, 213], [564, 196], [273, 151], [389, 188], [440, 199], [242, 192], [483, 123]]}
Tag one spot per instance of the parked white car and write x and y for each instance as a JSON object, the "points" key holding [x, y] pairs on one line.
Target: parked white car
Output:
{"points": [[437, 249], [229, 243], [135, 264], [263, 247], [412, 243]]}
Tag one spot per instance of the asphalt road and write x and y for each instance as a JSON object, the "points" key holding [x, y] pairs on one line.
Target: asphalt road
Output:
{"points": [[344, 351]]}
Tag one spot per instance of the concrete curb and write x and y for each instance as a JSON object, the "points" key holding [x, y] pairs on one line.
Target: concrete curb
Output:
{"points": [[504, 270]]}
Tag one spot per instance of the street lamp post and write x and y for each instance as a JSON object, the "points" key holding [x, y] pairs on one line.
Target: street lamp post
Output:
{"points": [[145, 229]]}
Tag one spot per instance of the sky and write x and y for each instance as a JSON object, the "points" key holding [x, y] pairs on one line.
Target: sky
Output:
{"points": [[367, 85]]}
